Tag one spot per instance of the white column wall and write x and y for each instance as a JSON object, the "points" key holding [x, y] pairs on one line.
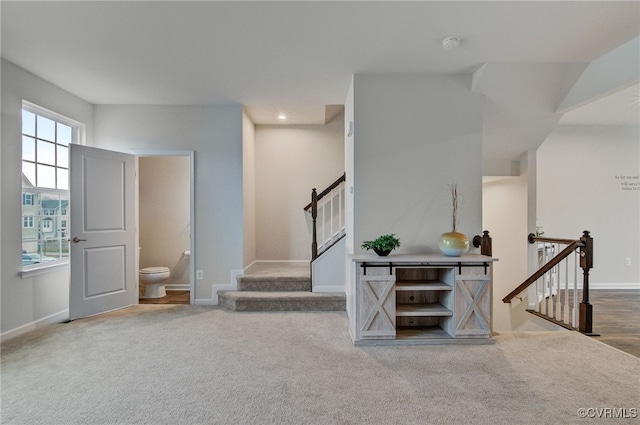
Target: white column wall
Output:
{"points": [[414, 135]]}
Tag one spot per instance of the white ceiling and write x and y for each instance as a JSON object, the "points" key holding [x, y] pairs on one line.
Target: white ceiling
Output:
{"points": [[289, 57]]}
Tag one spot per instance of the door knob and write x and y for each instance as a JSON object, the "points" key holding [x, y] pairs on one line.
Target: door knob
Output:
{"points": [[76, 239]]}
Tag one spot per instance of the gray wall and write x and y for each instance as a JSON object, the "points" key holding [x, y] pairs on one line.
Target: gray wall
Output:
{"points": [[215, 134], [579, 188], [45, 298], [414, 135]]}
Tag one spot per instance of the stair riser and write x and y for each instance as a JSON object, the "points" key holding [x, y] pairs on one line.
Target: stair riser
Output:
{"points": [[246, 305], [283, 301], [274, 285]]}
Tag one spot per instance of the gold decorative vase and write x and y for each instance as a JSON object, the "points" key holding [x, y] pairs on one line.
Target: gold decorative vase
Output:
{"points": [[453, 244]]}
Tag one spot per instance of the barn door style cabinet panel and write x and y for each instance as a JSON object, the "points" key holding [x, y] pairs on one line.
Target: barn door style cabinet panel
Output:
{"points": [[428, 299]]}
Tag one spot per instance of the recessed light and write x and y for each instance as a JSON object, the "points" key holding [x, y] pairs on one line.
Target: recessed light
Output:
{"points": [[282, 117]]}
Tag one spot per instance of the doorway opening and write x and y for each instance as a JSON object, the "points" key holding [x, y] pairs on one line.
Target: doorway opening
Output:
{"points": [[165, 224]]}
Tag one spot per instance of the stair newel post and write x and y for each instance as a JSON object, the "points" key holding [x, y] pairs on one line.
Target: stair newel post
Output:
{"points": [[484, 243], [314, 215], [585, 324]]}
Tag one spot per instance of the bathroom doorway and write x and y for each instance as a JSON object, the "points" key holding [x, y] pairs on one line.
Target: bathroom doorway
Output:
{"points": [[165, 221]]}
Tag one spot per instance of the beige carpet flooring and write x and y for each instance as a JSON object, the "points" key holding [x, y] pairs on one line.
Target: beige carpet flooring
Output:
{"points": [[176, 364]]}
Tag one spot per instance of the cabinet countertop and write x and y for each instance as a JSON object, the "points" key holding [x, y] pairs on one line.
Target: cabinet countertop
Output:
{"points": [[420, 258]]}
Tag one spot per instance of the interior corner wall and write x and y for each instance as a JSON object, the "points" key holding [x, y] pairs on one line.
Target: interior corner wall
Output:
{"points": [[414, 136], [289, 162], [214, 133], [504, 214], [349, 169], [27, 303], [349, 164], [248, 190], [589, 179]]}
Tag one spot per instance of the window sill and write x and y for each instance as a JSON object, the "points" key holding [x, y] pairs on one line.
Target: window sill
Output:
{"points": [[42, 269]]}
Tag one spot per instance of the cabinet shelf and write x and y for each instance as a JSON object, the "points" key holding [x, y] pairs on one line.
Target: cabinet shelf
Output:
{"points": [[422, 332], [423, 286], [433, 309]]}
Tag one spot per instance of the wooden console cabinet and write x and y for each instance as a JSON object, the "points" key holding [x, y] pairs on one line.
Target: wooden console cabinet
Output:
{"points": [[428, 299]]}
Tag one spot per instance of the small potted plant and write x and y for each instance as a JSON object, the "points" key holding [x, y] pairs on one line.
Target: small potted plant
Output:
{"points": [[383, 245]]}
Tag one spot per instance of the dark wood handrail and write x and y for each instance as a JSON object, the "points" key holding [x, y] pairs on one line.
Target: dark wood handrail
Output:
{"points": [[313, 209], [585, 244], [327, 190], [533, 238], [544, 269]]}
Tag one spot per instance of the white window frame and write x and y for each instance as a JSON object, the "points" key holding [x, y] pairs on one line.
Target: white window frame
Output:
{"points": [[29, 221], [27, 199], [47, 225], [77, 137]]}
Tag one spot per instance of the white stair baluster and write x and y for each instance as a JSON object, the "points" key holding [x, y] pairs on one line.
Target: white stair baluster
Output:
{"points": [[538, 305], [542, 280], [323, 239], [574, 315], [331, 225], [552, 286], [566, 317], [340, 191], [545, 284], [548, 304], [550, 294], [558, 312]]}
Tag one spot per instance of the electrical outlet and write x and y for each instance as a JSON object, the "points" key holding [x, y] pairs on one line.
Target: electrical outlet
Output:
{"points": [[627, 261], [199, 274]]}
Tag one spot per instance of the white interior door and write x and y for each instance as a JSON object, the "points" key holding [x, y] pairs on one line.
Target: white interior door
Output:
{"points": [[103, 234]]}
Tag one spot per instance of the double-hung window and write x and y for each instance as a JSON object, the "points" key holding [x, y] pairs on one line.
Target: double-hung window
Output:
{"points": [[46, 137]]}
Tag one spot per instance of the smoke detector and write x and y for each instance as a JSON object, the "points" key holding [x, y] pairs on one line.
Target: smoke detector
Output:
{"points": [[450, 43]]}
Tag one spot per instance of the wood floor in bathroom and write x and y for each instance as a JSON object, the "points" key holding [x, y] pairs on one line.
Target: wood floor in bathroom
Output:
{"points": [[173, 297]]}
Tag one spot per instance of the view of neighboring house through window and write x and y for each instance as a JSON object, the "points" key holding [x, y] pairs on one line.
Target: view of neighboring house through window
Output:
{"points": [[45, 185]]}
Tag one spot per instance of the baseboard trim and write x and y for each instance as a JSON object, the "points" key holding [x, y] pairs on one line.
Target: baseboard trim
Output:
{"points": [[283, 262], [53, 318], [279, 261], [177, 287], [327, 288], [204, 301], [613, 286]]}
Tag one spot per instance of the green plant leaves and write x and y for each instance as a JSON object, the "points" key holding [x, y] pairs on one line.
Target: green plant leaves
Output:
{"points": [[383, 243]]}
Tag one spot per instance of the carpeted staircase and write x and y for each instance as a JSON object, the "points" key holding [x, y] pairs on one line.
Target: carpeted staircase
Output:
{"points": [[276, 287]]}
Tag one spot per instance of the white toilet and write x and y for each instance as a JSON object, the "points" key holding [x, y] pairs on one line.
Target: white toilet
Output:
{"points": [[154, 278]]}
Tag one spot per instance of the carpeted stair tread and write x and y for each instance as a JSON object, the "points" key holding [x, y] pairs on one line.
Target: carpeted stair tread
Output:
{"points": [[282, 301]]}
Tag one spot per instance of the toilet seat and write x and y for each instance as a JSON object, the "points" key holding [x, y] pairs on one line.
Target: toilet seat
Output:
{"points": [[153, 279], [154, 270]]}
